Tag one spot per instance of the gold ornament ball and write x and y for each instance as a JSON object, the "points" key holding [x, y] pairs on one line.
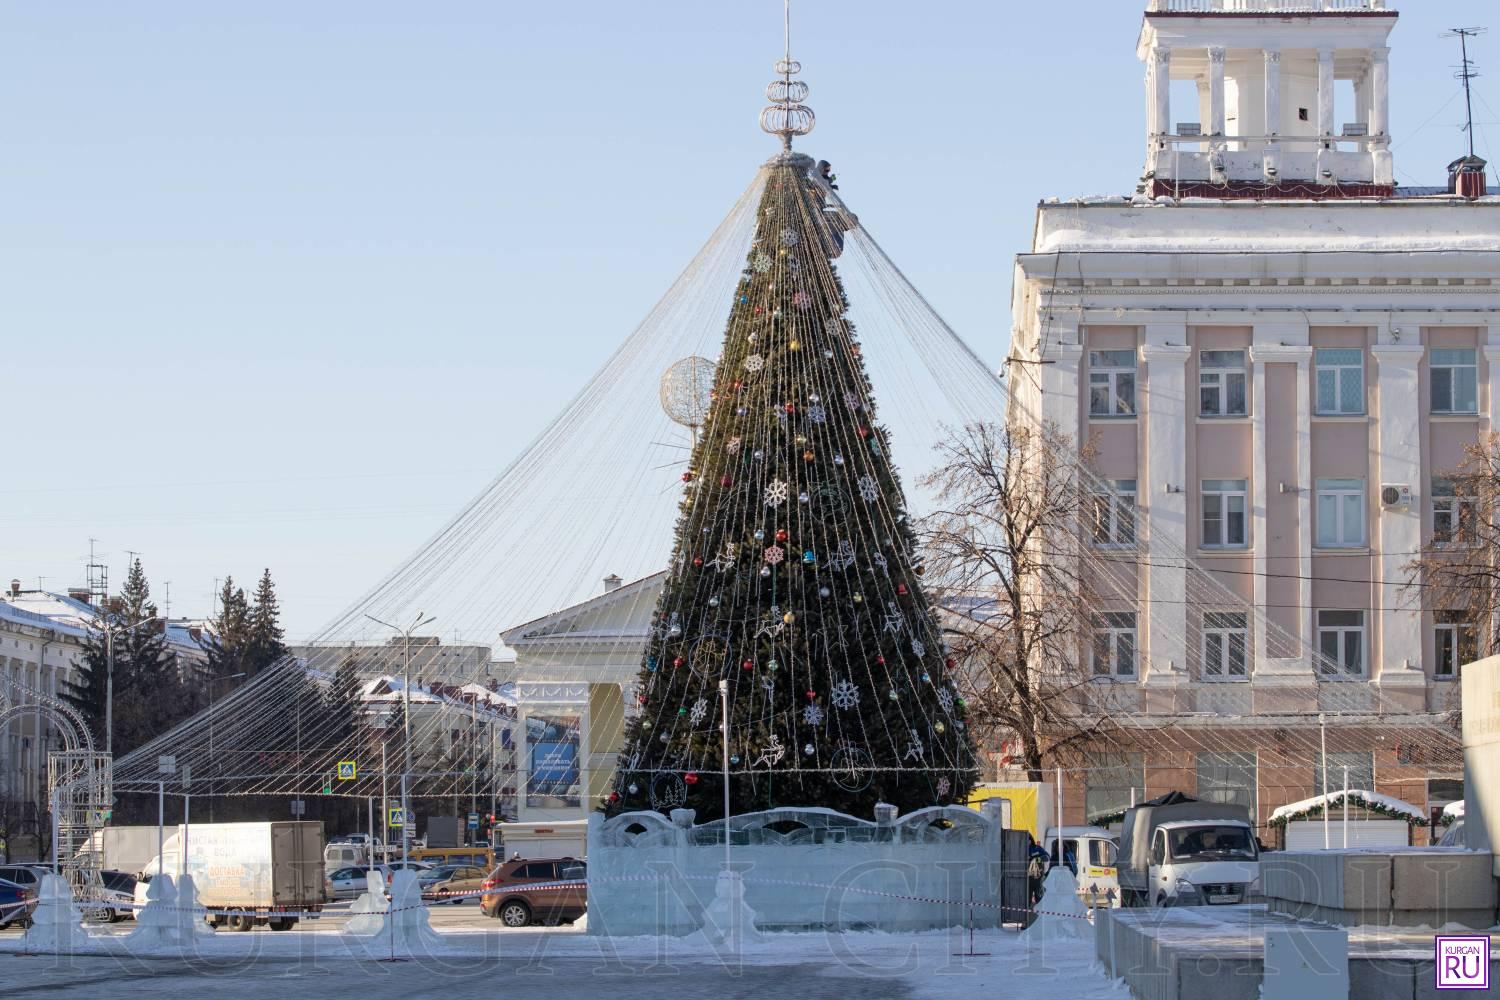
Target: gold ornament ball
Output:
{"points": [[788, 617]]}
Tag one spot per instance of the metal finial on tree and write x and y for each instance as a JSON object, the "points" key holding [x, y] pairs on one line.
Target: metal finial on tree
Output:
{"points": [[787, 116]]}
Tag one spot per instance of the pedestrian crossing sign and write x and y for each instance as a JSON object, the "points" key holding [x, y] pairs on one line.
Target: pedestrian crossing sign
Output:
{"points": [[347, 770], [398, 817]]}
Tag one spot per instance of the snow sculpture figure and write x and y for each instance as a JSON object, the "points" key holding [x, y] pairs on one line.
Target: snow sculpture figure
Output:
{"points": [[56, 924]]}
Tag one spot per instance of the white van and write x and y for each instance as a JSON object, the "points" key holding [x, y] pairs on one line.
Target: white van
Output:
{"points": [[1090, 853], [1196, 863]]}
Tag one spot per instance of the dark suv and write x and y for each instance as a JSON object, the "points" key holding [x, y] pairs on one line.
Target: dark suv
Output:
{"points": [[517, 893]]}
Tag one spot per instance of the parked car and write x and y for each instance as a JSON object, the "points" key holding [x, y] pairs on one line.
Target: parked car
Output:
{"points": [[448, 880], [345, 883], [510, 897], [119, 893], [27, 876], [17, 904]]}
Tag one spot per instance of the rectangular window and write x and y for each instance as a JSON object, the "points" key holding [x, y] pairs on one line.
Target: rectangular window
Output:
{"points": [[1361, 765], [1341, 643], [1452, 515], [1224, 506], [1455, 641], [1227, 778], [1225, 639], [1221, 384], [1114, 644], [1340, 380], [1114, 514], [1341, 513], [1113, 782], [1454, 377], [1111, 383]]}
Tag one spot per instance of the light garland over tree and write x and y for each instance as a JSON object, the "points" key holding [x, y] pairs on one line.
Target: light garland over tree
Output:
{"points": [[795, 575]]}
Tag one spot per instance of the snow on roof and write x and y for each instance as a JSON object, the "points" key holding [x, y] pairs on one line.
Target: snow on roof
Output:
{"points": [[23, 616], [1453, 811], [1336, 798], [69, 615]]}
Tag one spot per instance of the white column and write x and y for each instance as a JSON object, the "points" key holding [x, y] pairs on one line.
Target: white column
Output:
{"points": [[1380, 91], [1279, 342], [1161, 90], [1383, 163], [1216, 90], [1492, 358], [1164, 638], [1398, 459], [1273, 91], [1325, 92]]}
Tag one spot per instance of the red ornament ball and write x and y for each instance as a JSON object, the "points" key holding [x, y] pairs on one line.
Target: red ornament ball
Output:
{"points": [[614, 796], [811, 694], [687, 477], [950, 663], [863, 432], [880, 660], [697, 560], [677, 661], [748, 665], [901, 588], [781, 534], [791, 407], [727, 480], [691, 777]]}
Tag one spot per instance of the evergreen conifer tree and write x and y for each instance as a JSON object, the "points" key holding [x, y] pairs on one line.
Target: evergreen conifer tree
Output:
{"points": [[344, 706], [229, 646], [267, 643], [795, 577]]}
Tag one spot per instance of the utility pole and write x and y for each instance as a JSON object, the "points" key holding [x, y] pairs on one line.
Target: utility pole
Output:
{"points": [[405, 634]]}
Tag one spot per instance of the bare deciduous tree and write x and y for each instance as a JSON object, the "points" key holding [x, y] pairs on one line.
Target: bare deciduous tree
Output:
{"points": [[1005, 560]]}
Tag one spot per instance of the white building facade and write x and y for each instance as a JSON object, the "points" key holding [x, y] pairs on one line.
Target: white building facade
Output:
{"points": [[1274, 374]]}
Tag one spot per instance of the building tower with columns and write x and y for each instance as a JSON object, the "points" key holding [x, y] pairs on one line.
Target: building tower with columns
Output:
{"points": [[1276, 354]]}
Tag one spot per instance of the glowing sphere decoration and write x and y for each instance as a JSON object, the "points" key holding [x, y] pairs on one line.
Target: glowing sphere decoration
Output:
{"points": [[687, 391]]}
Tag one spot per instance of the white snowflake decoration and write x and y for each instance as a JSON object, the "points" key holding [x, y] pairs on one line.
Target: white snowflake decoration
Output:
{"points": [[895, 621], [762, 262], [768, 684], [914, 748], [851, 400], [790, 238], [812, 715], [943, 786], [845, 695], [776, 493], [881, 564], [698, 712], [918, 648], [801, 300], [867, 489], [945, 700], [754, 363], [817, 414], [775, 554], [733, 447]]}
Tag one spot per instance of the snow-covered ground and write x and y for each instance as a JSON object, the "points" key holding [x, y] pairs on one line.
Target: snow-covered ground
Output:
{"points": [[559, 964]]}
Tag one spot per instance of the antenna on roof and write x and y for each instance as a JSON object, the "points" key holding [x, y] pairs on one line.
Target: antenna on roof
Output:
{"points": [[1467, 73]]}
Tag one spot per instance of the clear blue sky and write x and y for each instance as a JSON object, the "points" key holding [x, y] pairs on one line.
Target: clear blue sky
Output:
{"points": [[284, 283]]}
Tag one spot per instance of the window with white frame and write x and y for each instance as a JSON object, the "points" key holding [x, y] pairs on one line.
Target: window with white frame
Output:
{"points": [[1114, 644], [1455, 641], [1341, 513], [1112, 383], [1452, 515], [1339, 374], [1453, 374], [1114, 514], [1221, 384], [1341, 642], [1226, 636], [1224, 506]]}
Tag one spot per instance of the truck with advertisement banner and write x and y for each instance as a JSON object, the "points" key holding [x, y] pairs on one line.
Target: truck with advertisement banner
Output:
{"points": [[246, 873]]}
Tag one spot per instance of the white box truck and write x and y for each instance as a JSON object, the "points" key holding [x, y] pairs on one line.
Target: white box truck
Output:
{"points": [[1177, 851], [125, 849], [271, 870]]}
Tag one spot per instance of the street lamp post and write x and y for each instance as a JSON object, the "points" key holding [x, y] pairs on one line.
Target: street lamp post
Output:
{"points": [[111, 628], [212, 760], [405, 634]]}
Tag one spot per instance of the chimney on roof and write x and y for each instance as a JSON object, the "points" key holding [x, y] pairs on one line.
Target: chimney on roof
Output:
{"points": [[80, 594], [612, 582], [1466, 177], [15, 588]]}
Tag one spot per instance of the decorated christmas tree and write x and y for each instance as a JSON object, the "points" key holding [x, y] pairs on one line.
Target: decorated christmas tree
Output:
{"points": [[795, 577]]}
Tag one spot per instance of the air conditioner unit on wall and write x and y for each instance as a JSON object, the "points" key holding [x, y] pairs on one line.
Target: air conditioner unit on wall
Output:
{"points": [[1395, 496]]}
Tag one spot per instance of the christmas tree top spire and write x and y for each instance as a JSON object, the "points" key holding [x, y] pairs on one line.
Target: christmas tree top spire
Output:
{"points": [[787, 115]]}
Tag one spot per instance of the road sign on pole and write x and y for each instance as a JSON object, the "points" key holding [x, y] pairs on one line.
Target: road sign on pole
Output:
{"points": [[187, 775], [473, 821], [398, 817], [298, 807], [166, 764], [347, 770]]}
